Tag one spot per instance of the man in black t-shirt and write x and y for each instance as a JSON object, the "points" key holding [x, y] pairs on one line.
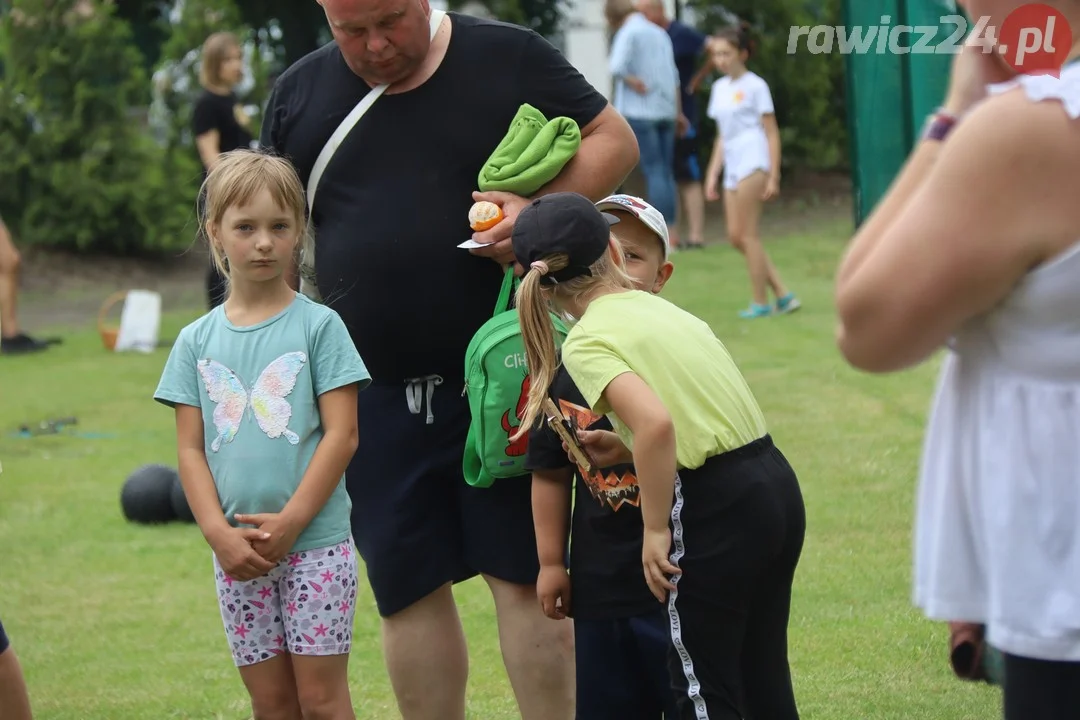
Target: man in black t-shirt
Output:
{"points": [[391, 208], [621, 634]]}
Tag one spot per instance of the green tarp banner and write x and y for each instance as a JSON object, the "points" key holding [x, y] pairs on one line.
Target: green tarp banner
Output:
{"points": [[894, 79]]}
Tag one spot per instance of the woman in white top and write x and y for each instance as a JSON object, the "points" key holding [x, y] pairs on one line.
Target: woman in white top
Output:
{"points": [[747, 147], [976, 247]]}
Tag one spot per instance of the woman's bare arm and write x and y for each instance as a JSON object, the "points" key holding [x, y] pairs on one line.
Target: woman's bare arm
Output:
{"points": [[209, 146], [959, 230]]}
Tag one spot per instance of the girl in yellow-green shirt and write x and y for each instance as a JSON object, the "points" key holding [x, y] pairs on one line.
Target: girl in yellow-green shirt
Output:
{"points": [[724, 515]]}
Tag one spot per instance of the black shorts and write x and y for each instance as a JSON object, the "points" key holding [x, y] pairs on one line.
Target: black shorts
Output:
{"points": [[687, 165], [1040, 689], [4, 642], [738, 524], [417, 524]]}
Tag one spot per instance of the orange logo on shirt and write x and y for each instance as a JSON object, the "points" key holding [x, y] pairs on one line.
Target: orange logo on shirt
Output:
{"points": [[739, 96], [610, 489]]}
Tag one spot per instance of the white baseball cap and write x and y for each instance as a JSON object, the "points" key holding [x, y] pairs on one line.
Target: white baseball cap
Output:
{"points": [[643, 211]]}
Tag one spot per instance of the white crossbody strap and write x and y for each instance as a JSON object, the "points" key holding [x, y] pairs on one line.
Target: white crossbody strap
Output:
{"points": [[350, 121], [334, 142], [307, 255]]}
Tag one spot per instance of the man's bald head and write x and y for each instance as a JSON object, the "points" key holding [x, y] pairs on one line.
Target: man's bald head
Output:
{"points": [[382, 41], [655, 10]]}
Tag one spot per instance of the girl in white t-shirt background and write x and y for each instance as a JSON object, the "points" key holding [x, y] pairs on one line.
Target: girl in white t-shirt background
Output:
{"points": [[747, 148]]}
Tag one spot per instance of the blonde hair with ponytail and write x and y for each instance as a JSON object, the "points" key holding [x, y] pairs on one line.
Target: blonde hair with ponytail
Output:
{"points": [[535, 302]]}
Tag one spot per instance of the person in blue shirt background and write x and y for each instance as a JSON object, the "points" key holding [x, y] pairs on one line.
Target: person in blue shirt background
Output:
{"points": [[642, 66], [688, 45]]}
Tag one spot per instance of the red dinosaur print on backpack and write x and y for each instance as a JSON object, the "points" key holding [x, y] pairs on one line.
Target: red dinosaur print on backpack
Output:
{"points": [[517, 448]]}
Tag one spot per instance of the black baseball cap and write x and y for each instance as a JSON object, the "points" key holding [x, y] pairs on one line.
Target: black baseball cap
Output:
{"points": [[563, 223]]}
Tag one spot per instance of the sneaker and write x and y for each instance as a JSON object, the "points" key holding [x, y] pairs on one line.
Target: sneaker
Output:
{"points": [[756, 311], [787, 304], [21, 344]]}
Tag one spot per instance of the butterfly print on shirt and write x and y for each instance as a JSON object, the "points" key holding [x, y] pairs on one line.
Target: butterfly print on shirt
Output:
{"points": [[266, 398]]}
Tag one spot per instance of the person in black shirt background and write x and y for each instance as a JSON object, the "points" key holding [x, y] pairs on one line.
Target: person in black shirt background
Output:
{"points": [[621, 633], [390, 211], [219, 121]]}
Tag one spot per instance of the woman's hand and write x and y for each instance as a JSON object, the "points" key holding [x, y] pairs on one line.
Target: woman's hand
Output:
{"points": [[656, 561], [712, 192], [772, 188], [682, 126], [974, 67]]}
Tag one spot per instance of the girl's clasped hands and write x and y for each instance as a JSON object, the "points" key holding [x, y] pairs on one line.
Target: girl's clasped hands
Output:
{"points": [[246, 553]]}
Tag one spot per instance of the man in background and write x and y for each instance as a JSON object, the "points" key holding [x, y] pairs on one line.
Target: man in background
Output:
{"points": [[688, 46], [642, 64]]}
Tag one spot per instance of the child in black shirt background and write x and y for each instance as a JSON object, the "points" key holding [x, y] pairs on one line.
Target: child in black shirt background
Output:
{"points": [[621, 633]]}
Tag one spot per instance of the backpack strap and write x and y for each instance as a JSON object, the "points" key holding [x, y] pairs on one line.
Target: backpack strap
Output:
{"points": [[509, 284], [306, 269]]}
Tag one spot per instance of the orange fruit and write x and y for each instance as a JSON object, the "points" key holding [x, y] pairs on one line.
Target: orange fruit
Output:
{"points": [[484, 215]]}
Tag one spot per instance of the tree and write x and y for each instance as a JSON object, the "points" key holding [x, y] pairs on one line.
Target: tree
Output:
{"points": [[294, 28], [176, 80], [543, 16], [82, 171], [144, 17]]}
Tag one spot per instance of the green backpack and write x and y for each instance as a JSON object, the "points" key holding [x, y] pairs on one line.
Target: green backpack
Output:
{"points": [[497, 385]]}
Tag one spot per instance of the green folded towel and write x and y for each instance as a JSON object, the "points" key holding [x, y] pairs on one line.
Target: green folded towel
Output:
{"points": [[533, 152]]}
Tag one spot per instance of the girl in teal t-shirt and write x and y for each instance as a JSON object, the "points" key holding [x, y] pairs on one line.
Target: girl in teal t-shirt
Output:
{"points": [[265, 391]]}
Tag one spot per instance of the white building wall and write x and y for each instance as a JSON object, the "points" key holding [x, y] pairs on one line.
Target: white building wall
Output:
{"points": [[586, 41]]}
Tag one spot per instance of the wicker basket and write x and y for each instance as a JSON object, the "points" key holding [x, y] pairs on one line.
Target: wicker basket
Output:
{"points": [[109, 333]]}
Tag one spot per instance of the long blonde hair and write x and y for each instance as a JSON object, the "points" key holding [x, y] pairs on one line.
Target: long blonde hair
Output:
{"points": [[215, 49], [237, 177], [535, 303]]}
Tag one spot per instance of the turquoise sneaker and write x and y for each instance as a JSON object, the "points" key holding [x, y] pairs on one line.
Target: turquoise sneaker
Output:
{"points": [[756, 311], [787, 304]]}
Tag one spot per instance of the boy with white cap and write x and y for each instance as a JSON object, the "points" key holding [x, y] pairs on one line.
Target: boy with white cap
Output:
{"points": [[621, 632]]}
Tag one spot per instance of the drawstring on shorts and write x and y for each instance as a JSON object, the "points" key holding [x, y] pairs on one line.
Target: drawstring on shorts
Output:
{"points": [[419, 389]]}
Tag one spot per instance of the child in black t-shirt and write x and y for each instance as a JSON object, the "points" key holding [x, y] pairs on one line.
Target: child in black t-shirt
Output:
{"points": [[621, 632]]}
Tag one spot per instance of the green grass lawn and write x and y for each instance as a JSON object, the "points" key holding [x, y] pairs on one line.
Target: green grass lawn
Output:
{"points": [[118, 621]]}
